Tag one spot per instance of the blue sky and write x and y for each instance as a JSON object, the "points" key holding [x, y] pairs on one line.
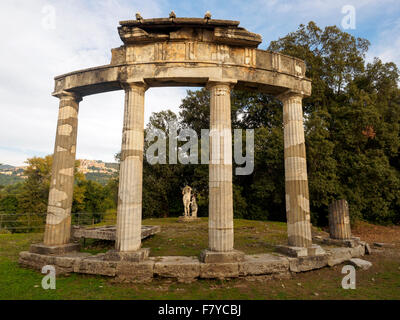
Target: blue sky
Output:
{"points": [[82, 33]]}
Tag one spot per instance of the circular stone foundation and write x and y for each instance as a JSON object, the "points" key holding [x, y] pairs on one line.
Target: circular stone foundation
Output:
{"points": [[187, 269]]}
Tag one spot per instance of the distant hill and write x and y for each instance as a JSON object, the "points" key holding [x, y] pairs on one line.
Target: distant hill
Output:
{"points": [[9, 180], [112, 165], [101, 178], [5, 166], [95, 170]]}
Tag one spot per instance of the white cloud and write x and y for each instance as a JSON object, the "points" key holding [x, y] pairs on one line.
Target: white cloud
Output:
{"points": [[32, 55], [101, 118], [85, 32]]}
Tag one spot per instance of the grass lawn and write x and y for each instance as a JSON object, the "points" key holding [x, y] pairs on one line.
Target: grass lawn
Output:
{"points": [[382, 281]]}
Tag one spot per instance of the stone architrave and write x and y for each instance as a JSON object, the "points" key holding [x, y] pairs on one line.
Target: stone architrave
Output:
{"points": [[58, 222]]}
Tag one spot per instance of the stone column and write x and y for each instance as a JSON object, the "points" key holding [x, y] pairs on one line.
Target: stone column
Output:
{"points": [[58, 224], [339, 220], [129, 219], [221, 236], [296, 181]]}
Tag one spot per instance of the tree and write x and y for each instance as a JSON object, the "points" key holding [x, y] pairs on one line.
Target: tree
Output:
{"points": [[352, 123]]}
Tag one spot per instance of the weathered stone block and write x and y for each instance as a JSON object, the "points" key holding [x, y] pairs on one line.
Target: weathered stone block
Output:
{"points": [[41, 248], [367, 247], [384, 245], [36, 261], [338, 255], [266, 277], [219, 270], [67, 262], [315, 250], [135, 256], [301, 251], [183, 268], [357, 251], [96, 266], [135, 271], [360, 263], [349, 243], [262, 264], [208, 256], [302, 264], [293, 251]]}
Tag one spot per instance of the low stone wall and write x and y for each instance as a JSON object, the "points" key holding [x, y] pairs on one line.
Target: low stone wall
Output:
{"points": [[187, 269], [109, 232]]}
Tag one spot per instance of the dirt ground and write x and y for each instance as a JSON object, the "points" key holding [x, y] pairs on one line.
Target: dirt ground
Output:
{"points": [[375, 233]]}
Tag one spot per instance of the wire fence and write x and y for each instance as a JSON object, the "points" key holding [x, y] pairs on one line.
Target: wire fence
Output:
{"points": [[36, 222]]}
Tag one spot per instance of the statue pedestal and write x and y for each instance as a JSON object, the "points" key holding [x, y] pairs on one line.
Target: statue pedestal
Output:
{"points": [[188, 219]]}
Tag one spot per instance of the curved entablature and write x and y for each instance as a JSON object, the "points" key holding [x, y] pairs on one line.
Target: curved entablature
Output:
{"points": [[190, 52]]}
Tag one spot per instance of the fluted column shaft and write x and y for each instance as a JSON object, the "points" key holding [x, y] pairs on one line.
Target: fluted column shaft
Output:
{"points": [[296, 181], [339, 220], [58, 222], [220, 169], [129, 219]]}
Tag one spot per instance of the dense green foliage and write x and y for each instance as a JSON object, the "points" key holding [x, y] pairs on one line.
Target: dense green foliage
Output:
{"points": [[352, 125], [23, 205], [9, 180], [352, 136]]}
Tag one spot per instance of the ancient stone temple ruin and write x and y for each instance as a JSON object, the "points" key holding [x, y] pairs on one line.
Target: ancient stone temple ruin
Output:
{"points": [[201, 52]]}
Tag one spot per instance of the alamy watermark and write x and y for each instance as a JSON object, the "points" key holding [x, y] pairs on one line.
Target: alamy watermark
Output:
{"points": [[349, 20], [188, 153], [49, 281], [49, 17], [349, 281]]}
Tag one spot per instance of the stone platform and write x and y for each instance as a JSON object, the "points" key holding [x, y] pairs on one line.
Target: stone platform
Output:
{"points": [[109, 232], [187, 269]]}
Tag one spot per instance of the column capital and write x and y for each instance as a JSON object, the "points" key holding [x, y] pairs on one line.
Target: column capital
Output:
{"points": [[68, 95], [221, 82], [134, 85], [290, 94]]}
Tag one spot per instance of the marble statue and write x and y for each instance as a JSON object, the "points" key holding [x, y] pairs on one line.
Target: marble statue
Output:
{"points": [[187, 195], [193, 206]]}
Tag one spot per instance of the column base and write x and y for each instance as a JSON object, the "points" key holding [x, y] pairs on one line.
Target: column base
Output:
{"points": [[350, 243], [314, 250], [41, 248], [208, 256], [133, 256], [188, 219]]}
